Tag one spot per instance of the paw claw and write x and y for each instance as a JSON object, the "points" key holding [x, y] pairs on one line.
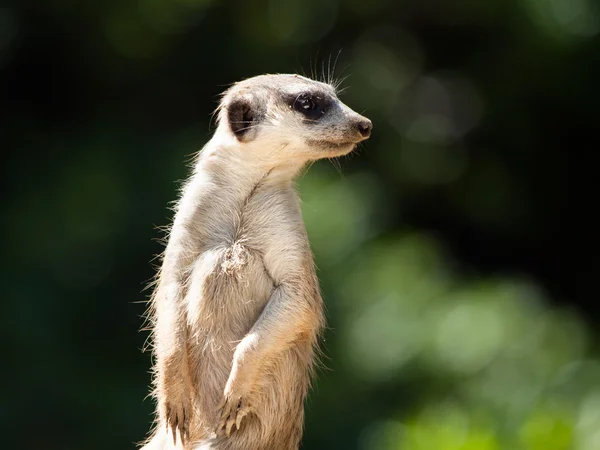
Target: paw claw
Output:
{"points": [[230, 415], [228, 427], [241, 414], [177, 418]]}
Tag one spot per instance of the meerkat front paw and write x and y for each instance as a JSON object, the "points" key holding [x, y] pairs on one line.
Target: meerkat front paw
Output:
{"points": [[177, 415], [237, 403], [231, 411]]}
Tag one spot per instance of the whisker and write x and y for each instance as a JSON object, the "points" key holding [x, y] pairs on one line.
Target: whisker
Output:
{"points": [[329, 70], [335, 65], [305, 169], [300, 69], [335, 162], [316, 70], [339, 82]]}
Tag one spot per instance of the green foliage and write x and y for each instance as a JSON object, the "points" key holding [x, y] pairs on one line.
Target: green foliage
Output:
{"points": [[488, 354]]}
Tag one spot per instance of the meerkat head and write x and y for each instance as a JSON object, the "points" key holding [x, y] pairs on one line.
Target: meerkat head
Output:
{"points": [[283, 117]]}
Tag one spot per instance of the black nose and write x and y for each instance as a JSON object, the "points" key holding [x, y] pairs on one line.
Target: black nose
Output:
{"points": [[364, 127]]}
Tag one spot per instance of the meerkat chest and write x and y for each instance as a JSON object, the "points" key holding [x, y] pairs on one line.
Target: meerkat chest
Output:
{"points": [[248, 247], [267, 230], [272, 220]]}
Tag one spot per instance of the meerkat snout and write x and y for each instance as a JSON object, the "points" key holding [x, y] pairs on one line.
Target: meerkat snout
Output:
{"points": [[364, 127]]}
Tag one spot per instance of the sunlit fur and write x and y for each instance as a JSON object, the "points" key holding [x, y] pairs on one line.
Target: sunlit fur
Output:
{"points": [[236, 314]]}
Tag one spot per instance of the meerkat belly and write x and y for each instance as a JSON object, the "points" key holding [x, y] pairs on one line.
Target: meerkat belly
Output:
{"points": [[229, 288]]}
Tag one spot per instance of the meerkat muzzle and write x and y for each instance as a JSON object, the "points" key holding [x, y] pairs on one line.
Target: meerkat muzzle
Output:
{"points": [[364, 127]]}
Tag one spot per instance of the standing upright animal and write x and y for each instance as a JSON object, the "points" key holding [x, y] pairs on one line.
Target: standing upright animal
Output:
{"points": [[236, 314]]}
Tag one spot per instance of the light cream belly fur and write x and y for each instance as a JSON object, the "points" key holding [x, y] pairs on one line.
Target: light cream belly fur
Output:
{"points": [[229, 286], [228, 290]]}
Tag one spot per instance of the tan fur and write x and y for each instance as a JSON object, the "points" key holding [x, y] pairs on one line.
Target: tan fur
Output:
{"points": [[237, 314]]}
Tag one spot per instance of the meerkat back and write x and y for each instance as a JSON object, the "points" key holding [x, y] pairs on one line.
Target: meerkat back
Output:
{"points": [[236, 312]]}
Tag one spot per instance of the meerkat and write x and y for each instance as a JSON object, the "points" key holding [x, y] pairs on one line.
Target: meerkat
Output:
{"points": [[236, 313]]}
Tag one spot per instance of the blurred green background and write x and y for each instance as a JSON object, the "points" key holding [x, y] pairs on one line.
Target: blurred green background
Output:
{"points": [[457, 249]]}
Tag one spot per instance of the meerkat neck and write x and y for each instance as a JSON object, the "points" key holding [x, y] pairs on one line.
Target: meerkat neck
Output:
{"points": [[221, 187], [242, 168]]}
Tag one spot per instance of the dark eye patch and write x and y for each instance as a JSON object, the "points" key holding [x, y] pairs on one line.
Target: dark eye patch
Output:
{"points": [[311, 105]]}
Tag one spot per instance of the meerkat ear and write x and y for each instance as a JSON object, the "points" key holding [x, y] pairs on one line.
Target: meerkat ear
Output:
{"points": [[243, 118]]}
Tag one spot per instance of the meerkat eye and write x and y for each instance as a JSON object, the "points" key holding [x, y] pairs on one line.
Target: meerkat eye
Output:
{"points": [[310, 106], [306, 104]]}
